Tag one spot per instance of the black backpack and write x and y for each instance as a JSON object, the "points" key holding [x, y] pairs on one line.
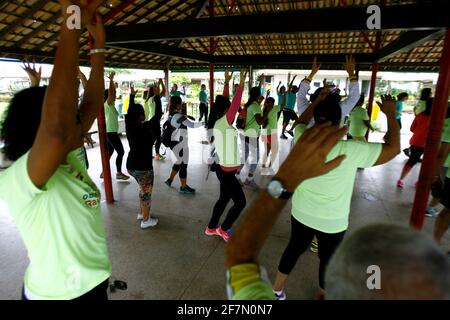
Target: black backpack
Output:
{"points": [[166, 135], [167, 131]]}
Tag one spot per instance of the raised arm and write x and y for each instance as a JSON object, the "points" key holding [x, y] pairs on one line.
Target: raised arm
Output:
{"points": [[111, 91], [158, 105], [311, 150], [226, 87], [93, 94], [354, 93], [291, 83], [391, 147], [163, 88], [236, 103], [278, 87], [59, 131]]}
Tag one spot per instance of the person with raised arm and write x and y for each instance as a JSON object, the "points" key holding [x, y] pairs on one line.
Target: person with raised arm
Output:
{"points": [[141, 135], [288, 110], [346, 105], [112, 128], [226, 144], [48, 192], [321, 206]]}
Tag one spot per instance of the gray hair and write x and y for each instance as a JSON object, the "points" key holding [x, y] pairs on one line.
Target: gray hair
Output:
{"points": [[411, 264]]}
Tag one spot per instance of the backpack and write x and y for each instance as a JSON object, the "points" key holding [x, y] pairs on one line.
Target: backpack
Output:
{"points": [[167, 132], [242, 118]]}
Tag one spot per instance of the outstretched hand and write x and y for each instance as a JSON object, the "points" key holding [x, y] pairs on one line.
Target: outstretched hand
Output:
{"points": [[33, 74], [311, 150], [387, 105], [228, 76], [315, 68], [243, 76], [350, 65], [111, 76], [132, 90]]}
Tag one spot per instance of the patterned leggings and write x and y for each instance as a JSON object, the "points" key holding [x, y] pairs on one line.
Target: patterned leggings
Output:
{"points": [[145, 181]]}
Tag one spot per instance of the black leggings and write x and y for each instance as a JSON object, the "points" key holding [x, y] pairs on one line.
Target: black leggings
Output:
{"points": [[301, 237], [180, 167], [414, 156], [114, 143], [230, 189], [99, 293], [158, 141], [203, 112]]}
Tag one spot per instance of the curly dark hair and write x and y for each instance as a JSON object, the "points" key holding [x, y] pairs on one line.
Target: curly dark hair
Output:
{"points": [[21, 123]]}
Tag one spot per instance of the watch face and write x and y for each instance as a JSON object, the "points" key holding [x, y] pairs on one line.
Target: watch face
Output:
{"points": [[275, 188]]}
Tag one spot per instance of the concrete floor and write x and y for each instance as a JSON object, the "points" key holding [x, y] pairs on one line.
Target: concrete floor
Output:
{"points": [[176, 260]]}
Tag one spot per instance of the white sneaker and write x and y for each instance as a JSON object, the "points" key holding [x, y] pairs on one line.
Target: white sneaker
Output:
{"points": [[251, 184], [149, 223], [140, 216]]}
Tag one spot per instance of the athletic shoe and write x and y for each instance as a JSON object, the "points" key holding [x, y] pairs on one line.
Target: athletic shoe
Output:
{"points": [[280, 295], [431, 212], [224, 234], [140, 216], [187, 190], [251, 184], [168, 183], [314, 247], [210, 232], [149, 223], [121, 176], [400, 183], [407, 152], [290, 132], [283, 136]]}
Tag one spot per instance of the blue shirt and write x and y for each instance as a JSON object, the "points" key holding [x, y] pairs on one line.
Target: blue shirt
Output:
{"points": [[280, 98], [399, 108], [291, 99]]}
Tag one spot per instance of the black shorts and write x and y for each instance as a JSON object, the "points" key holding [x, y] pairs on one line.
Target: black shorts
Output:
{"points": [[289, 115], [445, 198]]}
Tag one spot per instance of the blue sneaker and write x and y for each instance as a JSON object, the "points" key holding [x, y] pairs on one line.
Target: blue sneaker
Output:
{"points": [[186, 190], [431, 212]]}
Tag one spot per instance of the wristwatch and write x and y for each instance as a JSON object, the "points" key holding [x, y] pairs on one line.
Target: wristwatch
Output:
{"points": [[277, 190]]}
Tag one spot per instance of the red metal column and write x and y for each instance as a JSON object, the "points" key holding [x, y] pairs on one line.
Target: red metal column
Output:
{"points": [[434, 138], [101, 123]]}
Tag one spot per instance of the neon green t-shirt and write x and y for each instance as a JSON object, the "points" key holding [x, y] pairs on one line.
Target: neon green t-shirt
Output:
{"points": [[357, 126], [421, 106], [323, 203], [62, 228], [252, 128], [446, 138], [111, 117], [272, 121], [149, 108], [226, 143], [246, 283]]}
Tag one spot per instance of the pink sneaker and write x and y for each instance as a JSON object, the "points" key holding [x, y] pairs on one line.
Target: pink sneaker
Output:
{"points": [[225, 235], [210, 232], [400, 183]]}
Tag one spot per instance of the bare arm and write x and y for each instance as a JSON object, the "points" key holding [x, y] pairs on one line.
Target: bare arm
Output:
{"points": [[253, 230], [236, 103], [93, 95], [59, 132], [163, 88], [111, 91], [391, 147]]}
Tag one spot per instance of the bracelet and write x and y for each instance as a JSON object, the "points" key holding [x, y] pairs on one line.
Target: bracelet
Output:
{"points": [[94, 51]]}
